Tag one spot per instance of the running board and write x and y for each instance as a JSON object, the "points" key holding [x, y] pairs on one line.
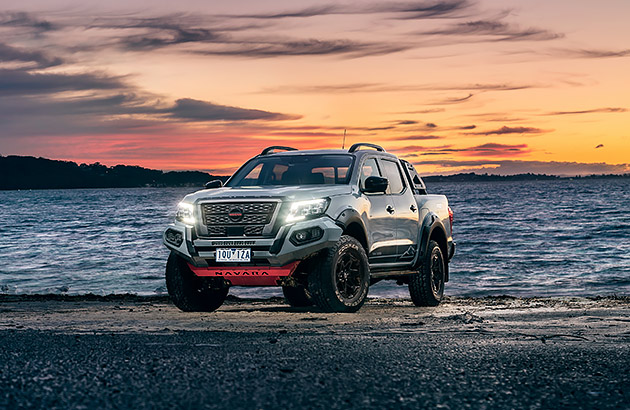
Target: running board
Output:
{"points": [[391, 273], [390, 267]]}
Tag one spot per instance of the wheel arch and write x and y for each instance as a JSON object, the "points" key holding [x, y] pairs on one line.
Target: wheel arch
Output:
{"points": [[352, 224], [433, 229]]}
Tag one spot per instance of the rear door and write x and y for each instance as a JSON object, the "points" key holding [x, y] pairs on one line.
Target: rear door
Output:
{"points": [[381, 229], [406, 216]]}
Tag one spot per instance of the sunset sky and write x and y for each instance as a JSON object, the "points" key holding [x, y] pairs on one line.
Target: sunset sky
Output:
{"points": [[453, 86]]}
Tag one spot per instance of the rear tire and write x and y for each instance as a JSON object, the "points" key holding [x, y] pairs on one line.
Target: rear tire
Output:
{"points": [[427, 286], [189, 292], [297, 296], [340, 279]]}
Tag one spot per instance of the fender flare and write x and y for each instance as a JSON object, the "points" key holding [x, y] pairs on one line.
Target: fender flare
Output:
{"points": [[431, 223], [349, 216]]}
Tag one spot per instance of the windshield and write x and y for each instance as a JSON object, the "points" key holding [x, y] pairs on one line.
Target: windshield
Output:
{"points": [[294, 170]]}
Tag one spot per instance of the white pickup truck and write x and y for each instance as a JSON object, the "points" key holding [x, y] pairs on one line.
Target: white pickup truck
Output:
{"points": [[323, 224]]}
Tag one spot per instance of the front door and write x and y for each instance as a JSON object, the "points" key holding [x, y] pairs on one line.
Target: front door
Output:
{"points": [[381, 217]]}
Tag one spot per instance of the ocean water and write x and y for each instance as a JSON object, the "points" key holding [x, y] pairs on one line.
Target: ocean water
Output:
{"points": [[549, 238]]}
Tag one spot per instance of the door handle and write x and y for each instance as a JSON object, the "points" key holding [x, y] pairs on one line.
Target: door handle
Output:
{"points": [[390, 209], [413, 208]]}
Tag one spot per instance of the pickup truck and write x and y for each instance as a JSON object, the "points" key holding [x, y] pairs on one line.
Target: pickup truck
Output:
{"points": [[323, 224]]}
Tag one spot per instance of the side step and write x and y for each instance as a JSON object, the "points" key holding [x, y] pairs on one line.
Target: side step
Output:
{"points": [[391, 274]]}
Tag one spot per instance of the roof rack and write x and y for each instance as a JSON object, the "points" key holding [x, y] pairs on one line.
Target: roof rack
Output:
{"points": [[270, 150], [358, 145]]}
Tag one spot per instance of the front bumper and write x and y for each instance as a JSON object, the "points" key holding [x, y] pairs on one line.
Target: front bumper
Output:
{"points": [[277, 251], [252, 276]]}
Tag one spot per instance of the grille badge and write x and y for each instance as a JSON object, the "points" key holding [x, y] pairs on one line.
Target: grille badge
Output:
{"points": [[235, 214]]}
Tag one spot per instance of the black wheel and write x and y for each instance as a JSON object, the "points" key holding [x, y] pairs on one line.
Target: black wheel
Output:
{"points": [[427, 286], [189, 292], [297, 296], [340, 279]]}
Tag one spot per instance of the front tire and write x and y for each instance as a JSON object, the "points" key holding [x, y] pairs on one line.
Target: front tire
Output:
{"points": [[297, 296], [340, 279], [427, 286], [189, 292]]}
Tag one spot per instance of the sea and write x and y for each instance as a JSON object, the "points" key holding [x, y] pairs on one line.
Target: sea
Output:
{"points": [[524, 239]]}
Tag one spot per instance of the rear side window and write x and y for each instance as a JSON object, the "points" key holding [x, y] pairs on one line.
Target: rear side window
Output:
{"points": [[392, 173]]}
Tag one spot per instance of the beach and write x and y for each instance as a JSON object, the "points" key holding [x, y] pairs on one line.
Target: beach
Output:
{"points": [[141, 352]]}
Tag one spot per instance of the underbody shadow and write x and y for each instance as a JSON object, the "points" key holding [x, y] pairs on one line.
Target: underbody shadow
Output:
{"points": [[278, 309]]}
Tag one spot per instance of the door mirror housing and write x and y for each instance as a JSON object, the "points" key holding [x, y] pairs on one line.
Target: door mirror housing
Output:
{"points": [[375, 185], [214, 184]]}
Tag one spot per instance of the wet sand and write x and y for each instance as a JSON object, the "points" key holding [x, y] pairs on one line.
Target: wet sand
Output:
{"points": [[134, 352]]}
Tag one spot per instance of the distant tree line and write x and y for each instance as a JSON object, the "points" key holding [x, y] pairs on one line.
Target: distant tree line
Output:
{"points": [[468, 177], [18, 172]]}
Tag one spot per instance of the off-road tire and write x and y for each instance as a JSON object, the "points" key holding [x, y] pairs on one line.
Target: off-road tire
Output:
{"points": [[426, 287], [189, 292], [329, 290], [297, 296]]}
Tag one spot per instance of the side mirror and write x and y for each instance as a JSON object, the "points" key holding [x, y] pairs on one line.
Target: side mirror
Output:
{"points": [[375, 185], [214, 184]]}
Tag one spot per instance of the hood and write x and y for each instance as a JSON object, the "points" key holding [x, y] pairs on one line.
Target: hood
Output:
{"points": [[286, 193]]}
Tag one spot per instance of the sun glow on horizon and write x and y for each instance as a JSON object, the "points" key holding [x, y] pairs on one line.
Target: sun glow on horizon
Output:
{"points": [[476, 86]]}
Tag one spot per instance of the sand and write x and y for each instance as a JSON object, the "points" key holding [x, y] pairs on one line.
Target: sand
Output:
{"points": [[126, 351]]}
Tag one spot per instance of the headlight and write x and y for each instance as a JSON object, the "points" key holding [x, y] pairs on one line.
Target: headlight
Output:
{"points": [[185, 213], [306, 209]]}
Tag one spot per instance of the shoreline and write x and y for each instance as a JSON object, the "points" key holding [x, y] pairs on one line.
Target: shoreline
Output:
{"points": [[134, 297], [94, 313]]}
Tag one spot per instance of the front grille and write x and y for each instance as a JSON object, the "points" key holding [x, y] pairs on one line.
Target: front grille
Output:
{"points": [[217, 231], [253, 230], [237, 218], [248, 219]]}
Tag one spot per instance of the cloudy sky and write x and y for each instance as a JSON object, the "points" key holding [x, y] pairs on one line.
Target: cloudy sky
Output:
{"points": [[453, 85]]}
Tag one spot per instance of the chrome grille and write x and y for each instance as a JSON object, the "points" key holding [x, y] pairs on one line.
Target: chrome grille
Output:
{"points": [[216, 217]]}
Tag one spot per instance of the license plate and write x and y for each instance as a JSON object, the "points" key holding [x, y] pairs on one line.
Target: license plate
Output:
{"points": [[233, 255]]}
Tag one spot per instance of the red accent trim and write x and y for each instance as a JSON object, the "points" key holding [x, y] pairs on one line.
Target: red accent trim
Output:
{"points": [[248, 275]]}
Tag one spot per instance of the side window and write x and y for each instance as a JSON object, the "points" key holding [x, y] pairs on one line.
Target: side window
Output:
{"points": [[369, 169], [392, 173]]}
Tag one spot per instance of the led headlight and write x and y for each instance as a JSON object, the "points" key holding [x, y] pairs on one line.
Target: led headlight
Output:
{"points": [[185, 213], [307, 209]]}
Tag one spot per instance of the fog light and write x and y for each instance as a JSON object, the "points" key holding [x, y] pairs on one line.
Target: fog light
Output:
{"points": [[174, 237], [304, 236]]}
